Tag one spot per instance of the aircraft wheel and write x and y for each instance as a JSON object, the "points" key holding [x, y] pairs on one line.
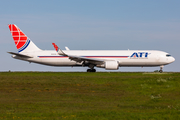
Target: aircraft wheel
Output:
{"points": [[91, 70], [160, 71]]}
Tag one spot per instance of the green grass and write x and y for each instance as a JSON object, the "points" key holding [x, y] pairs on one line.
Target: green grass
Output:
{"points": [[87, 96]]}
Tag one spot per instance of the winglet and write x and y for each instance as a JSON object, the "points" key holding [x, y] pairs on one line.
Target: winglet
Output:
{"points": [[55, 46], [60, 52], [67, 48]]}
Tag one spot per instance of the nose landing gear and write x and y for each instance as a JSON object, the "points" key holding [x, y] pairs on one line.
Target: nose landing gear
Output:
{"points": [[161, 69]]}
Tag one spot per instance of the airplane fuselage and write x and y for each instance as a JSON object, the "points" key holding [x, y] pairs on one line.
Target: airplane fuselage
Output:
{"points": [[124, 57]]}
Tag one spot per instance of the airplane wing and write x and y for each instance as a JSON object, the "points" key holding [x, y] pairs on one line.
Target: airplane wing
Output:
{"points": [[89, 60], [79, 58], [20, 55]]}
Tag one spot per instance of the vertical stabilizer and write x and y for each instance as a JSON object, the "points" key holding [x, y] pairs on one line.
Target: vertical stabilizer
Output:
{"points": [[22, 42]]}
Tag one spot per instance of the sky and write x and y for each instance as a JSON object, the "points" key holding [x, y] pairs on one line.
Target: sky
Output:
{"points": [[91, 25]]}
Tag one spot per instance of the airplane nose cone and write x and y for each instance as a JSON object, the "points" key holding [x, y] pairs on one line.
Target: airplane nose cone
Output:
{"points": [[173, 59]]}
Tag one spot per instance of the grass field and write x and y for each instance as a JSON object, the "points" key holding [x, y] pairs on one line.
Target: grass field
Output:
{"points": [[89, 96]]}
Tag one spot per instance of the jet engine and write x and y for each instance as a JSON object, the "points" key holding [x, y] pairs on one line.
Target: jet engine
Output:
{"points": [[111, 65]]}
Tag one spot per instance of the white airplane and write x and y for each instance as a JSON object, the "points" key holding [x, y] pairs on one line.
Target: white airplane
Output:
{"points": [[108, 59]]}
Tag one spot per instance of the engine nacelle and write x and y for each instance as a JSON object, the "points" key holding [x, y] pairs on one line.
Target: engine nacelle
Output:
{"points": [[111, 65]]}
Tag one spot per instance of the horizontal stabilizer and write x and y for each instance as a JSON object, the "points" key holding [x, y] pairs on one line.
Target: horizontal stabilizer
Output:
{"points": [[20, 55]]}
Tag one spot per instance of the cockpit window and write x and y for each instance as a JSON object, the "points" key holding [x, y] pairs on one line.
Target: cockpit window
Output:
{"points": [[168, 55]]}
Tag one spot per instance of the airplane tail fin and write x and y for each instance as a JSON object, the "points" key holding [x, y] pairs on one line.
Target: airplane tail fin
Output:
{"points": [[22, 42]]}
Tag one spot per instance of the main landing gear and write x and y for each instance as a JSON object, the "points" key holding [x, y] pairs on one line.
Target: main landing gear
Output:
{"points": [[161, 69], [91, 66], [91, 70]]}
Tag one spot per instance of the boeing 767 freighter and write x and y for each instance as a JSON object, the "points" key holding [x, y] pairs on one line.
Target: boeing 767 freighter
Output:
{"points": [[108, 59]]}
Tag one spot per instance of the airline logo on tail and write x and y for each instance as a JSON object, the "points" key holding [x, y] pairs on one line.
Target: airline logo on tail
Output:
{"points": [[20, 39]]}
